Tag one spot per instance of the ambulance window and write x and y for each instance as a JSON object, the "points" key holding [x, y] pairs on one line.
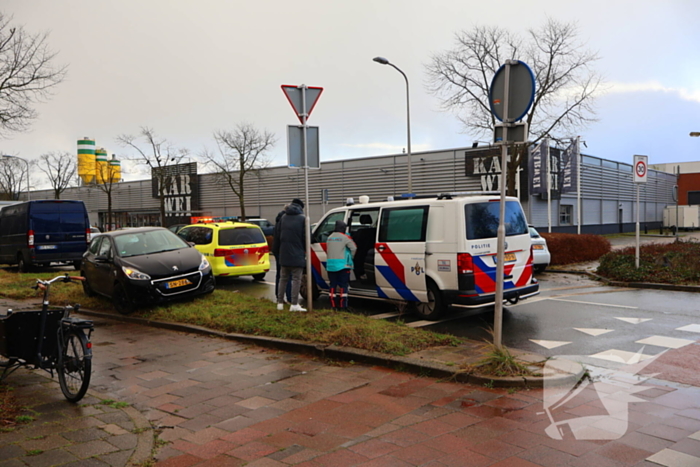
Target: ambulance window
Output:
{"points": [[404, 224], [326, 227], [482, 220]]}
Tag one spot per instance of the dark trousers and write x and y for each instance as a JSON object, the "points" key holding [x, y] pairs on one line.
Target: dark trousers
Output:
{"points": [[340, 281]]}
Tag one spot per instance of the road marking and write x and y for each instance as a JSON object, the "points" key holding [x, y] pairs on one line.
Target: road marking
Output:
{"points": [[634, 320], [690, 328], [422, 323], [593, 331], [593, 303], [670, 458], [549, 344], [662, 341], [386, 315], [621, 356]]}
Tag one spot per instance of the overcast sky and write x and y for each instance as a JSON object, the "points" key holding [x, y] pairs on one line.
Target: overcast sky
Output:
{"points": [[187, 68]]}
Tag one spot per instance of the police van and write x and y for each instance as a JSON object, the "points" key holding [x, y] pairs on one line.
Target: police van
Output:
{"points": [[433, 252]]}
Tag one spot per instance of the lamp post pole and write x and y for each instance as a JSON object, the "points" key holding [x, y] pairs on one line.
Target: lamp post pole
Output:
{"points": [[384, 61], [7, 156]]}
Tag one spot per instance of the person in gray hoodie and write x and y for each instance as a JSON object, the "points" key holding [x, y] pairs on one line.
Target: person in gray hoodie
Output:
{"points": [[290, 252], [340, 250]]}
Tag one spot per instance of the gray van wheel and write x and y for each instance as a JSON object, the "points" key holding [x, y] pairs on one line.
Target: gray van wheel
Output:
{"points": [[22, 264], [121, 300], [435, 306]]}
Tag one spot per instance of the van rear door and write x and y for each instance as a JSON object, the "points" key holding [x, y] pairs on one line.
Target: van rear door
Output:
{"points": [[400, 253], [60, 230], [482, 220]]}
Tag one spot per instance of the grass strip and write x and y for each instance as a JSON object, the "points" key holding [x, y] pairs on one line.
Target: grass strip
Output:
{"points": [[230, 311]]}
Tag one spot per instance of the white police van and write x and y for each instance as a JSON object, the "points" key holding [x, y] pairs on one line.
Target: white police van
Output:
{"points": [[433, 252]]}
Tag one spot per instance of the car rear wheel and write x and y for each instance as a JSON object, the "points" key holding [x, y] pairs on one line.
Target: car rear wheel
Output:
{"points": [[259, 277], [435, 306], [122, 302]]}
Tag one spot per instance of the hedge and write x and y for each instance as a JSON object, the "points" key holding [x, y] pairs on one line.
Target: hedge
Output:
{"points": [[573, 248]]}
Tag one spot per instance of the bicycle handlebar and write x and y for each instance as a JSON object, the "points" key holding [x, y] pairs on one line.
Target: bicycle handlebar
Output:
{"points": [[43, 284]]}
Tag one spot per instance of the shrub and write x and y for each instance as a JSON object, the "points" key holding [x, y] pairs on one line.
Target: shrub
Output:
{"points": [[672, 263], [573, 248]]}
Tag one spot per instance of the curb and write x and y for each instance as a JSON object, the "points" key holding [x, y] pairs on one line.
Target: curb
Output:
{"points": [[411, 365], [634, 285]]}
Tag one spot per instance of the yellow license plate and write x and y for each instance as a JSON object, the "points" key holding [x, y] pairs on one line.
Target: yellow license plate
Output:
{"points": [[177, 283], [538, 247], [507, 258]]}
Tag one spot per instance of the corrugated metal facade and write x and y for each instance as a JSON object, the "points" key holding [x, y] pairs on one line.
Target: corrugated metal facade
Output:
{"points": [[608, 192]]}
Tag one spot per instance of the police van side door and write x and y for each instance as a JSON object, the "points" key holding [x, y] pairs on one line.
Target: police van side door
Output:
{"points": [[400, 253]]}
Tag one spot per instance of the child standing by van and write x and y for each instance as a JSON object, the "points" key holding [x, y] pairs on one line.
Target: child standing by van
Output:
{"points": [[340, 251]]}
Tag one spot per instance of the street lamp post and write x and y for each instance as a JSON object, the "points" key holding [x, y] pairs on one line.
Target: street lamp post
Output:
{"points": [[7, 156], [384, 61]]}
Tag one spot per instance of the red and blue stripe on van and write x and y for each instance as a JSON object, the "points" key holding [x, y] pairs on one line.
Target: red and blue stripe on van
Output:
{"points": [[394, 273], [317, 267], [485, 274]]}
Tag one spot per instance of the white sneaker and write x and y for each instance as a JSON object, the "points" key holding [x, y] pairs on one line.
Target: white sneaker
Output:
{"points": [[280, 306], [296, 308]]}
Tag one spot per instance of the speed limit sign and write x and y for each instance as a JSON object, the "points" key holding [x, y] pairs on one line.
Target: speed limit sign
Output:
{"points": [[640, 169]]}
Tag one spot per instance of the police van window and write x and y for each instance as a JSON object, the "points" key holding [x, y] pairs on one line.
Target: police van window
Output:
{"points": [[326, 227], [404, 224], [364, 219], [482, 219]]}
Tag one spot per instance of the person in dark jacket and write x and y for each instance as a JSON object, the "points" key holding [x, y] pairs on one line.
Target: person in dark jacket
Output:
{"points": [[276, 253], [340, 249], [291, 252]]}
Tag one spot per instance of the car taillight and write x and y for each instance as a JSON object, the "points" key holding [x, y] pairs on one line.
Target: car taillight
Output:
{"points": [[88, 234], [30, 239], [465, 263], [264, 249], [222, 252]]}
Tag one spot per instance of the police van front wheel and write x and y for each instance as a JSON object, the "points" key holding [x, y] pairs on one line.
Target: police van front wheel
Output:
{"points": [[435, 306], [315, 292]]}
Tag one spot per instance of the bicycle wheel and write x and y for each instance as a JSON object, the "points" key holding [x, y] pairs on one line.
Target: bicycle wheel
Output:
{"points": [[74, 365]]}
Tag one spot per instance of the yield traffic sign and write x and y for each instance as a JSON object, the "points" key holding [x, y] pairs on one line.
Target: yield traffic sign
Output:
{"points": [[295, 96]]}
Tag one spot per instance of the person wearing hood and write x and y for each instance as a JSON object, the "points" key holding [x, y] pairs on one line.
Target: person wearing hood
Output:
{"points": [[340, 251], [276, 252], [289, 249]]}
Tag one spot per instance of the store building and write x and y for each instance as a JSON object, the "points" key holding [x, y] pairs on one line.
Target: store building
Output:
{"points": [[607, 196]]}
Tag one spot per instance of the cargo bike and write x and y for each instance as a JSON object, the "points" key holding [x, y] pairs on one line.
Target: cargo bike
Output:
{"points": [[49, 339]]}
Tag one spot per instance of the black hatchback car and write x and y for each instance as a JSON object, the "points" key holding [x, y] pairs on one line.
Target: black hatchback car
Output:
{"points": [[146, 265]]}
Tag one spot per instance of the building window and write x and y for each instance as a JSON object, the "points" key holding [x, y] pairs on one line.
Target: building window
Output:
{"points": [[565, 213]]}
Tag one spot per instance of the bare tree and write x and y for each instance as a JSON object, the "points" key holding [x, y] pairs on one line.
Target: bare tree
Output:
{"points": [[240, 152], [13, 177], [565, 83], [105, 182], [60, 168], [157, 155], [27, 75]]}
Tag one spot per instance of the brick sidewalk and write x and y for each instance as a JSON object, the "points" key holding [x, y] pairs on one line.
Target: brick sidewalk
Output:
{"points": [[218, 402]]}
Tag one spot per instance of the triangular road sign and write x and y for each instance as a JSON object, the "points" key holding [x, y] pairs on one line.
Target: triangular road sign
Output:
{"points": [[295, 97]]}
